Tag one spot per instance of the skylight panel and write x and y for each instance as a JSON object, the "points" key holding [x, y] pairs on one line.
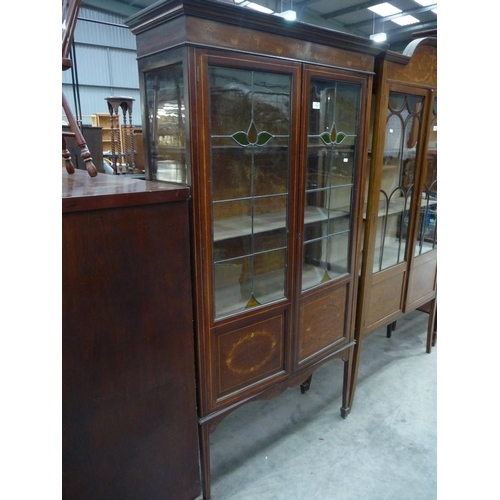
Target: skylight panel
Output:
{"points": [[260, 8], [425, 3], [385, 9], [405, 20]]}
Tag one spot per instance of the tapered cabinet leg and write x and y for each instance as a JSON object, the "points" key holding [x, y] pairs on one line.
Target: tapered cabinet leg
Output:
{"points": [[304, 387], [390, 328], [353, 379], [347, 388], [204, 430], [432, 327]]}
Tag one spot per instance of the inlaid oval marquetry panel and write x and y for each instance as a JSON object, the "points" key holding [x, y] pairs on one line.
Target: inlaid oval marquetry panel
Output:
{"points": [[249, 354], [322, 323]]}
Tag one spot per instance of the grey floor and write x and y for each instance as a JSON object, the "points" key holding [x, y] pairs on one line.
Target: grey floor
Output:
{"points": [[297, 446]]}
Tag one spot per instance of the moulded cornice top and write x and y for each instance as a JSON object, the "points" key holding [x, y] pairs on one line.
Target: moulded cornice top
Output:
{"points": [[166, 10], [409, 50]]}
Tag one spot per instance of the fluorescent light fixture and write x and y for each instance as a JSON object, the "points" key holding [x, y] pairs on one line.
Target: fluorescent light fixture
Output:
{"points": [[260, 8], [289, 15], [426, 3], [378, 37], [405, 20], [385, 9], [239, 1]]}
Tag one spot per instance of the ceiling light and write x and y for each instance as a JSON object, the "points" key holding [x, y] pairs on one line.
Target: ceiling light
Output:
{"points": [[426, 3], [405, 20], [378, 37], [289, 15], [385, 9], [260, 8]]}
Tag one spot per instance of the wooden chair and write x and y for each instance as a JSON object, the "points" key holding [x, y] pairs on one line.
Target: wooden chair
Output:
{"points": [[70, 10]]}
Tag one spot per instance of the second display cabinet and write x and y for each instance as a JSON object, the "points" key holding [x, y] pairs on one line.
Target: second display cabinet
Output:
{"points": [[399, 270], [267, 121]]}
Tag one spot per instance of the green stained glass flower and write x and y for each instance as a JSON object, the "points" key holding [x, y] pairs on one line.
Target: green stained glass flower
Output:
{"points": [[333, 137], [325, 137], [263, 138], [241, 138], [252, 137]]}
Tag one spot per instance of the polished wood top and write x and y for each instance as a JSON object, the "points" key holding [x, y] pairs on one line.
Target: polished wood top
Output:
{"points": [[82, 192]]}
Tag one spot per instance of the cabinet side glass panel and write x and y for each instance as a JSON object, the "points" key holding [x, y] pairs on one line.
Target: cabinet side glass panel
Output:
{"points": [[166, 125], [249, 166], [427, 225], [331, 162], [404, 120]]}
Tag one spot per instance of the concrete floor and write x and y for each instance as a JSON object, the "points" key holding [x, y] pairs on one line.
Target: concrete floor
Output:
{"points": [[297, 447]]}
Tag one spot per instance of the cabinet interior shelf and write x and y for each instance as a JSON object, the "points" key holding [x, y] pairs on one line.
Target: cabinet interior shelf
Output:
{"points": [[398, 206], [241, 225]]}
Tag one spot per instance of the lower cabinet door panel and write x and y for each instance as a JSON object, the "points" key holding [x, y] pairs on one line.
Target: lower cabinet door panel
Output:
{"points": [[385, 299], [322, 322], [422, 279], [247, 355]]}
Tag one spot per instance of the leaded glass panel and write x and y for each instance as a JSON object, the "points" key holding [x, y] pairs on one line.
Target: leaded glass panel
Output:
{"points": [[330, 171], [249, 140], [427, 225], [403, 124]]}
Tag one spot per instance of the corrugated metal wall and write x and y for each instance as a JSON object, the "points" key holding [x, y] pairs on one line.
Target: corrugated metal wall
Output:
{"points": [[105, 65]]}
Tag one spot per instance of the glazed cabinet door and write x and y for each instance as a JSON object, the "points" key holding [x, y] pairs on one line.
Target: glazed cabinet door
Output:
{"points": [[422, 279], [333, 145], [245, 190], [397, 191]]}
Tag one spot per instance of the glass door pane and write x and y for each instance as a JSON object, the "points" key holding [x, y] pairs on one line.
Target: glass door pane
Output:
{"points": [[249, 141], [404, 119], [427, 225], [331, 159], [167, 125]]}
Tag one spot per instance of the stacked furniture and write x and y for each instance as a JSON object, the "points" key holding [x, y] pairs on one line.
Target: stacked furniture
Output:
{"points": [[399, 265], [268, 122]]}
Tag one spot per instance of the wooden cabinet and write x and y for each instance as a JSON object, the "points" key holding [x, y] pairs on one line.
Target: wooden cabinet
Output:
{"points": [[268, 122], [129, 420], [400, 240]]}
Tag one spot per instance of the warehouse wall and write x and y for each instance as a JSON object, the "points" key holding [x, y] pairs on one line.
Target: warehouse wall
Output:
{"points": [[104, 65]]}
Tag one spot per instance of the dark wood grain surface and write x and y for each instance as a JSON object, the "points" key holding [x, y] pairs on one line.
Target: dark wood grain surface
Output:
{"points": [[128, 396]]}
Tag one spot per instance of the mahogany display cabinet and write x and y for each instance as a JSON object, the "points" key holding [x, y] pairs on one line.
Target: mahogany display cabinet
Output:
{"points": [[399, 264], [129, 419], [267, 121]]}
